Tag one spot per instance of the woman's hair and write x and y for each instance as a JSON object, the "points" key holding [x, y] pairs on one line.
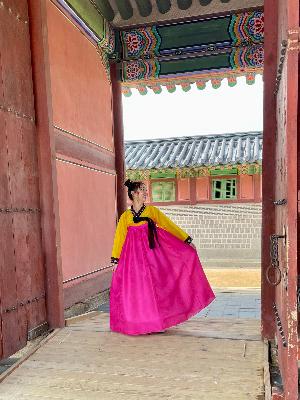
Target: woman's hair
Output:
{"points": [[133, 186]]}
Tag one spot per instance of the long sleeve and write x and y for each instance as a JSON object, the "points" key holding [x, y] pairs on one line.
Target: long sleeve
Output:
{"points": [[119, 240], [164, 222]]}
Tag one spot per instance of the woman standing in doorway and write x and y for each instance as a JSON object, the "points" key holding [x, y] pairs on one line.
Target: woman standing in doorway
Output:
{"points": [[158, 280]]}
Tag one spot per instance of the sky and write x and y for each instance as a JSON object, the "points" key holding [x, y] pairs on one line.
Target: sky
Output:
{"points": [[197, 112]]}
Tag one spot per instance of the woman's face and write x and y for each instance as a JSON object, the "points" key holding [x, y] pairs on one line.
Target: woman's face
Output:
{"points": [[141, 193]]}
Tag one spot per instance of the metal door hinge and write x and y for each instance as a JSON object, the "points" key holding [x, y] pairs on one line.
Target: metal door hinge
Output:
{"points": [[291, 43], [293, 39], [24, 303], [19, 210], [279, 325], [283, 48], [281, 202]]}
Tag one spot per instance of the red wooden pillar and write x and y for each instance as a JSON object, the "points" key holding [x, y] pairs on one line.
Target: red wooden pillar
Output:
{"points": [[118, 140], [193, 193], [257, 187], [268, 169], [46, 158]]}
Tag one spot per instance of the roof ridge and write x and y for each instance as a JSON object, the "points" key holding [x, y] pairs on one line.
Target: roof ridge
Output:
{"points": [[209, 136]]}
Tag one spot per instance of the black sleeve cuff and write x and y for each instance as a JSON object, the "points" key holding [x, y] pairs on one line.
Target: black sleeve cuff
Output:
{"points": [[114, 260], [188, 240]]}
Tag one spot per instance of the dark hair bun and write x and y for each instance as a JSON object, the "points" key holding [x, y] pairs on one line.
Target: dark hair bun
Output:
{"points": [[128, 183]]}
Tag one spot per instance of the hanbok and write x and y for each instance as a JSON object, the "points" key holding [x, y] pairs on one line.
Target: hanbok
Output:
{"points": [[159, 281]]}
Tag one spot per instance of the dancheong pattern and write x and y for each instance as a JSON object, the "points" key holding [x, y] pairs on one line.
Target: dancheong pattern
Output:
{"points": [[245, 57], [140, 69], [243, 29], [139, 42], [108, 42], [154, 57], [107, 47], [247, 28]]}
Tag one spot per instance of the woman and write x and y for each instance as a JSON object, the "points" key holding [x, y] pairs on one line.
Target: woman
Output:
{"points": [[158, 281]]}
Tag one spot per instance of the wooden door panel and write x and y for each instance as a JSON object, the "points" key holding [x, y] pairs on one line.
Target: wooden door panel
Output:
{"points": [[286, 215], [22, 304]]}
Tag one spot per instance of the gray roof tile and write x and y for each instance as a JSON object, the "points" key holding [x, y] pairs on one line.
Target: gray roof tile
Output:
{"points": [[194, 151]]}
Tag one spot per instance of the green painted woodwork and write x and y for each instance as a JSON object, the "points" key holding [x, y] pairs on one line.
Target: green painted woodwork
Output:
{"points": [[194, 64], [184, 4], [89, 14], [252, 169], [162, 174], [105, 9], [125, 9], [196, 33], [144, 7], [194, 172], [163, 191], [223, 171], [163, 6], [134, 175], [223, 189]]}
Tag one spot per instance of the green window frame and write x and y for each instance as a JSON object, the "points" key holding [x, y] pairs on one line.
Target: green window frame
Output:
{"points": [[163, 191], [224, 189]]}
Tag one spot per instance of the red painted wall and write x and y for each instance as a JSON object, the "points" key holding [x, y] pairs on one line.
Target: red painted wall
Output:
{"points": [[86, 198], [86, 178], [81, 93], [183, 187], [202, 188], [246, 187]]}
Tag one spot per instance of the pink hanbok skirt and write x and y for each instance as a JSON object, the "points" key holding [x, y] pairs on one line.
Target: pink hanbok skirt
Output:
{"points": [[154, 289]]}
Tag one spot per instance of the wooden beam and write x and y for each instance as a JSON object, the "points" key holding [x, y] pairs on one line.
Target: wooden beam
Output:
{"points": [[144, 7], [268, 170], [81, 150], [105, 9], [163, 6], [125, 9], [46, 160], [184, 4], [119, 140]]}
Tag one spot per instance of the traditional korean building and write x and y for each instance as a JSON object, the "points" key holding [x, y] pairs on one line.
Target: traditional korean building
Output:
{"points": [[211, 169], [211, 186]]}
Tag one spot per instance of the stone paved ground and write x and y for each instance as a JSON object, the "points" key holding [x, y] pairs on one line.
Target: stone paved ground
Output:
{"points": [[242, 303], [229, 303], [206, 358]]}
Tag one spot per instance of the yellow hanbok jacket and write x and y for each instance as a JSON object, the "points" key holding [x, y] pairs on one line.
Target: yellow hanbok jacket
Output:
{"points": [[161, 220]]}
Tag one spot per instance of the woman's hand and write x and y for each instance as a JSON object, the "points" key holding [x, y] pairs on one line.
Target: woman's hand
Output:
{"points": [[114, 267]]}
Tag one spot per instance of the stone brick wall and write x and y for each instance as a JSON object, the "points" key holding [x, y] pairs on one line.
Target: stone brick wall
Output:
{"points": [[226, 236]]}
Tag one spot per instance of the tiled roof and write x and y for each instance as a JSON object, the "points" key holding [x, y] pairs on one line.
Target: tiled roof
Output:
{"points": [[194, 151]]}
